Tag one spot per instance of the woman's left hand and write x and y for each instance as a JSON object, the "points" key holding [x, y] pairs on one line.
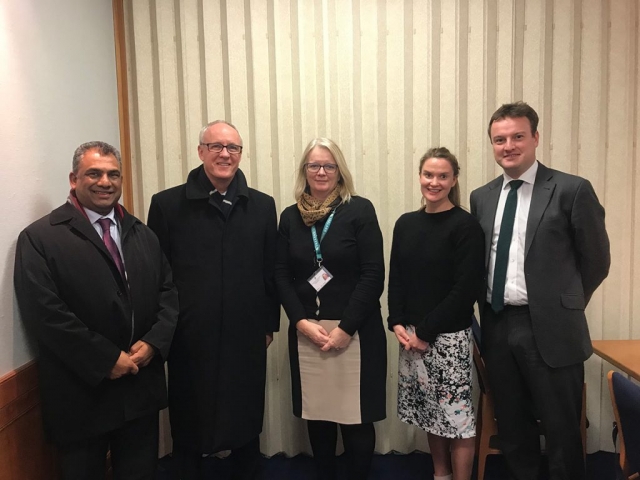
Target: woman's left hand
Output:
{"points": [[417, 344], [338, 339]]}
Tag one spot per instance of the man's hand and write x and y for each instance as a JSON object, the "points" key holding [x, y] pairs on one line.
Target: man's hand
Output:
{"points": [[316, 333], [124, 366], [338, 339], [269, 339], [402, 336], [141, 353]]}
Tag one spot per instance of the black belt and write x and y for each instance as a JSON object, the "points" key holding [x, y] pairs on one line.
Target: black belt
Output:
{"points": [[510, 308]]}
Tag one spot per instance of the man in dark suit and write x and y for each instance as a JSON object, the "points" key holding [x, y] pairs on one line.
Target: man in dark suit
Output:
{"points": [[219, 236], [547, 251], [95, 290]]}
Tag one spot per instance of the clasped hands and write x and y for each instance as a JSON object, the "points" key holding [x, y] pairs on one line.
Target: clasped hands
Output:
{"points": [[336, 339], [409, 341], [129, 363]]}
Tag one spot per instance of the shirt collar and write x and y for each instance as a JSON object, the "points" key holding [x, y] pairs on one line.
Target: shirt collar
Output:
{"points": [[94, 217], [527, 177]]}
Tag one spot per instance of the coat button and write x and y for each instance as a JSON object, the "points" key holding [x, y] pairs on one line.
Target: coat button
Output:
{"points": [[119, 293]]}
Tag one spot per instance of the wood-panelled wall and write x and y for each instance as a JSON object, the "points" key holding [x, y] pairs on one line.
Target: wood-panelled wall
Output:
{"points": [[24, 454]]}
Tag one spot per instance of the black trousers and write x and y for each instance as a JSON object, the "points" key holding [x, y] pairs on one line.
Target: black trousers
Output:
{"points": [[359, 444], [245, 463], [134, 453], [526, 389]]}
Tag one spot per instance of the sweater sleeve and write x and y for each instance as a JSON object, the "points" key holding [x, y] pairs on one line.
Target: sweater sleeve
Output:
{"points": [[366, 295], [468, 254], [396, 289], [284, 273]]}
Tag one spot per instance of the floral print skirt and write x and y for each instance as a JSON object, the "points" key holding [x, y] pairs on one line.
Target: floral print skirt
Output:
{"points": [[434, 387]]}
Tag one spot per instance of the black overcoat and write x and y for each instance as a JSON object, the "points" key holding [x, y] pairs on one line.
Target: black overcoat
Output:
{"points": [[223, 269], [75, 302]]}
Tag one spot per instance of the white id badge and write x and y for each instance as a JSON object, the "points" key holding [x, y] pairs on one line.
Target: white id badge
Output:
{"points": [[320, 278]]}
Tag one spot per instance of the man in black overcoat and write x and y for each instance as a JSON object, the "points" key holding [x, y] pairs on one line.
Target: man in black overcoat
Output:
{"points": [[95, 290], [219, 236], [547, 251]]}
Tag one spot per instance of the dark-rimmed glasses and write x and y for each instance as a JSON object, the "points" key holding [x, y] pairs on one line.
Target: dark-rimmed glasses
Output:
{"points": [[315, 167], [232, 148]]}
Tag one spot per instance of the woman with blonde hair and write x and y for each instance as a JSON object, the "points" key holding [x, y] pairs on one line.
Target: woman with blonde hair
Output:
{"points": [[330, 275], [435, 276]]}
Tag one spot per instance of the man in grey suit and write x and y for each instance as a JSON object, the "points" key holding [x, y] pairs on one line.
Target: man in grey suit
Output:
{"points": [[547, 251]]}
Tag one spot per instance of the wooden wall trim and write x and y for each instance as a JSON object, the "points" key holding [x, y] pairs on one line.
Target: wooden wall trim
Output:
{"points": [[24, 453], [18, 393], [123, 104]]}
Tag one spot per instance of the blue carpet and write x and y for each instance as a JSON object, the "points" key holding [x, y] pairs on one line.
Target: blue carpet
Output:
{"points": [[416, 466]]}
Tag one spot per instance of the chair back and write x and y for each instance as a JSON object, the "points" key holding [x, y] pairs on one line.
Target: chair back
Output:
{"points": [[625, 396], [477, 332], [478, 361]]}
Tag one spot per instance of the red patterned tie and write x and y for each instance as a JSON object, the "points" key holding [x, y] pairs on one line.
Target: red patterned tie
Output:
{"points": [[105, 223]]}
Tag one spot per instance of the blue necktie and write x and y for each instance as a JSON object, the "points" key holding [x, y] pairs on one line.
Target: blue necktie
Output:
{"points": [[502, 249]]}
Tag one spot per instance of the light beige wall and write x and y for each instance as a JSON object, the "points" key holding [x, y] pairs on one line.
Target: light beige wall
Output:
{"points": [[388, 79], [57, 90]]}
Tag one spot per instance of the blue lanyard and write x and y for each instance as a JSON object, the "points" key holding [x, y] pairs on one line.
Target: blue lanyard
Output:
{"points": [[314, 236]]}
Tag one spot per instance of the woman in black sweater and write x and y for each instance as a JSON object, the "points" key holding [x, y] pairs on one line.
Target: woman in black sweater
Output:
{"points": [[330, 275], [435, 276]]}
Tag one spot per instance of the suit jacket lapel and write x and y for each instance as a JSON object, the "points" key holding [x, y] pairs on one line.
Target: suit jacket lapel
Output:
{"points": [[542, 190], [68, 213], [82, 225], [487, 221]]}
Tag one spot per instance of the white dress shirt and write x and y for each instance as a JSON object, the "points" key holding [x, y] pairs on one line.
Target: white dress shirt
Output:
{"points": [[515, 289]]}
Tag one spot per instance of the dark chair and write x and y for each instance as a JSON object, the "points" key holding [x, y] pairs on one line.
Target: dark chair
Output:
{"points": [[625, 397], [486, 426]]}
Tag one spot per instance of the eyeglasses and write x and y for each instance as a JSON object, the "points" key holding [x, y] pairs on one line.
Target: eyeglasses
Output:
{"points": [[232, 148], [315, 167]]}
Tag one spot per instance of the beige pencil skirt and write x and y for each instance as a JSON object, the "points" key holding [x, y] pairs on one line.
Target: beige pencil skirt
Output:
{"points": [[330, 381]]}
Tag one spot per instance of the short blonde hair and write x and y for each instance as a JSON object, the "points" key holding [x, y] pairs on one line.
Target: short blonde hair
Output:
{"points": [[345, 181]]}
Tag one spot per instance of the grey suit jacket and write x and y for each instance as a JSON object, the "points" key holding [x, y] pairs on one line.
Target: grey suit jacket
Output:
{"points": [[566, 258]]}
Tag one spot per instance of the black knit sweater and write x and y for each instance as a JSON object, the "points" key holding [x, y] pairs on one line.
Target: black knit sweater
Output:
{"points": [[436, 271]]}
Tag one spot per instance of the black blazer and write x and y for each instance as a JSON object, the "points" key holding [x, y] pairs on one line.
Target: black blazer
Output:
{"points": [[566, 258], [82, 315]]}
